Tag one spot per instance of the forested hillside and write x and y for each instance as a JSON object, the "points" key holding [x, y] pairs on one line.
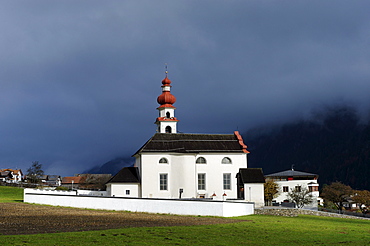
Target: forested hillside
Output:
{"points": [[333, 144]]}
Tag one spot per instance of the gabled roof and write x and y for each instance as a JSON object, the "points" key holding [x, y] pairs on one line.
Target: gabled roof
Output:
{"points": [[251, 175], [15, 171], [6, 174], [53, 177], [292, 173], [194, 143], [126, 175], [68, 180]]}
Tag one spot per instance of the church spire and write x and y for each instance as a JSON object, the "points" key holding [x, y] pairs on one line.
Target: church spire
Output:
{"points": [[166, 122]]}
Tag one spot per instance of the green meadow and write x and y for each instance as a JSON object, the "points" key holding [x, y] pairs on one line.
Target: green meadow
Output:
{"points": [[251, 230], [11, 194]]}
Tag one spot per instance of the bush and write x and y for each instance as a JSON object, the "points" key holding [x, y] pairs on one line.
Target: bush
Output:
{"points": [[61, 188]]}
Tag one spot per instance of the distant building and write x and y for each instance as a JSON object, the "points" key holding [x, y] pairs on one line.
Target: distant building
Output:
{"points": [[86, 181], [181, 165], [71, 182], [11, 175], [295, 180]]}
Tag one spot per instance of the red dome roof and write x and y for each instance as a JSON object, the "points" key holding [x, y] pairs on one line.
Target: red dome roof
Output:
{"points": [[166, 98], [166, 81]]}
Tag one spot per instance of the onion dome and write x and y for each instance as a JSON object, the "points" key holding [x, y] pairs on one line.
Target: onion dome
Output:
{"points": [[166, 81], [166, 99]]}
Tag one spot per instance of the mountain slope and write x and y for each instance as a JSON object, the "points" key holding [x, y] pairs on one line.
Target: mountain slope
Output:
{"points": [[333, 144]]}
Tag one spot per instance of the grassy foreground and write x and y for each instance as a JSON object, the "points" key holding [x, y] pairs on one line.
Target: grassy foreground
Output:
{"points": [[11, 194], [251, 230], [258, 230]]}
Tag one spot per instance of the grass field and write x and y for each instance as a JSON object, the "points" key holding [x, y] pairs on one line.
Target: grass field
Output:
{"points": [[257, 230], [11, 194]]}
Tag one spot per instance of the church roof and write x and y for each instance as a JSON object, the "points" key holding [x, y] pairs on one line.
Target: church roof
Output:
{"points": [[126, 175], [251, 175], [194, 143], [292, 173]]}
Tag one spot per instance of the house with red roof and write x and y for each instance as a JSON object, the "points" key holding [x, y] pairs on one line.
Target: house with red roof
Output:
{"points": [[11, 175]]}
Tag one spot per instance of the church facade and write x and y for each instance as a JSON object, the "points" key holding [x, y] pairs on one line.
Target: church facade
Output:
{"points": [[181, 165]]}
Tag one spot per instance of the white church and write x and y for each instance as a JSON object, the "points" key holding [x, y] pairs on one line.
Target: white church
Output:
{"points": [[172, 165]]}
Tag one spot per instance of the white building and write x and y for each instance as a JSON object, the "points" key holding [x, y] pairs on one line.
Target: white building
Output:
{"points": [[179, 165], [295, 180]]}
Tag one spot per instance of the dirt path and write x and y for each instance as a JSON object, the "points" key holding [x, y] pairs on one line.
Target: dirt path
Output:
{"points": [[21, 218]]}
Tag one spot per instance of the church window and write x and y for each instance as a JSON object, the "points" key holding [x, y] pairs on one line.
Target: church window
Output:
{"points": [[201, 160], [127, 192], [168, 129], [163, 160], [163, 180], [168, 115], [201, 181], [226, 160], [227, 181]]}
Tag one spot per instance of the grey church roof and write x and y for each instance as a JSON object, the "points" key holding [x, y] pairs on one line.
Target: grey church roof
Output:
{"points": [[126, 175], [251, 175], [292, 173], [194, 143]]}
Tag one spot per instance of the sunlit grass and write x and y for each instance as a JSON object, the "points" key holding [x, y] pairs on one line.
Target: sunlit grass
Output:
{"points": [[251, 230], [11, 194], [256, 230]]}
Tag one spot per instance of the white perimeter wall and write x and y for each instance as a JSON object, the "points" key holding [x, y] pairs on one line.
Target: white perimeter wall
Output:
{"points": [[167, 206], [68, 192]]}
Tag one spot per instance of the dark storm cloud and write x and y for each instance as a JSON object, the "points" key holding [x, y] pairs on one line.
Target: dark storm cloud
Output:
{"points": [[79, 79]]}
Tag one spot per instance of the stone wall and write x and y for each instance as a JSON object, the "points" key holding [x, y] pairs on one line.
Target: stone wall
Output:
{"points": [[292, 212]]}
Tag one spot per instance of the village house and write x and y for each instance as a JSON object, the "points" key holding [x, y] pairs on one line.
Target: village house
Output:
{"points": [[295, 180], [11, 175], [86, 181], [182, 165]]}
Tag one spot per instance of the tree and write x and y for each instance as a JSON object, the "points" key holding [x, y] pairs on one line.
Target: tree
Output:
{"points": [[271, 190], [300, 196], [35, 172], [94, 181], [362, 197], [337, 193]]}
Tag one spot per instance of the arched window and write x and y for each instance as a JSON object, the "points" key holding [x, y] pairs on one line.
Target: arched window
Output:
{"points": [[163, 160], [201, 160], [168, 129], [226, 160], [168, 115]]}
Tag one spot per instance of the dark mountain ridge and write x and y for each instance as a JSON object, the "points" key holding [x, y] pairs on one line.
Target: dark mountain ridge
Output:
{"points": [[112, 166], [333, 144]]}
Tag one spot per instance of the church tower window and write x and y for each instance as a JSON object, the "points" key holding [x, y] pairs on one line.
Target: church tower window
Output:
{"points": [[168, 129]]}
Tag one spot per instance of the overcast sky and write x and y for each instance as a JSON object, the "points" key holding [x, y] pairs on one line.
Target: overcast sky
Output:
{"points": [[79, 79]]}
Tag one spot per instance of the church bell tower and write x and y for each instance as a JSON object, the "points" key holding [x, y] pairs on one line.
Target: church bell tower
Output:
{"points": [[166, 122]]}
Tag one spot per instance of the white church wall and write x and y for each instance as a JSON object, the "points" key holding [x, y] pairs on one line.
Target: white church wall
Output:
{"points": [[183, 171], [254, 193], [214, 170], [123, 189], [180, 207]]}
